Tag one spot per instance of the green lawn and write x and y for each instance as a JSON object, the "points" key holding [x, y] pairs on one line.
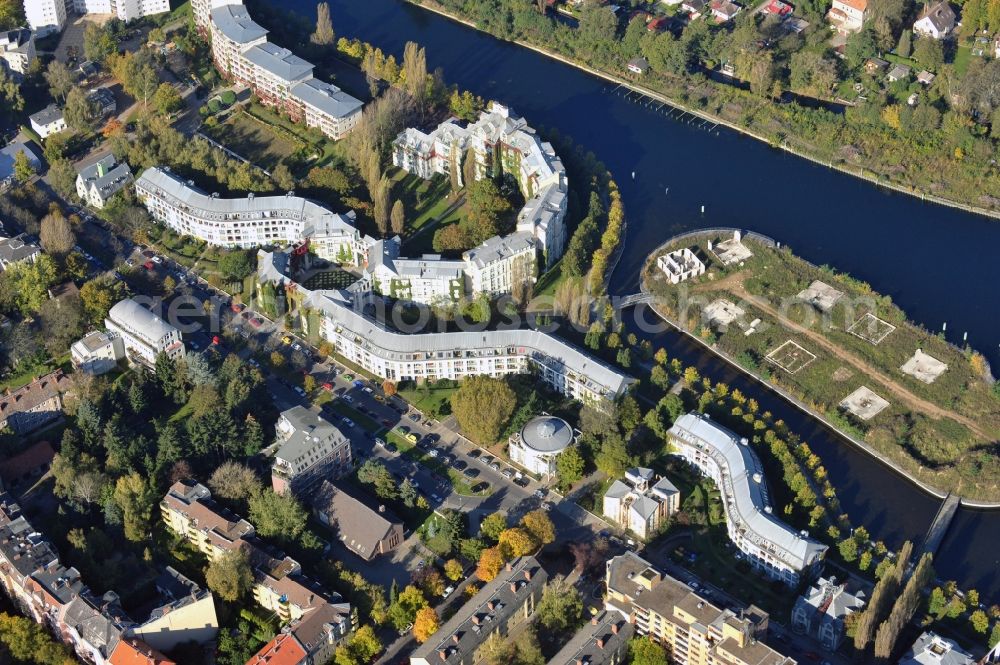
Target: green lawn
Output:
{"points": [[342, 409], [549, 281], [428, 400], [963, 56], [254, 139]]}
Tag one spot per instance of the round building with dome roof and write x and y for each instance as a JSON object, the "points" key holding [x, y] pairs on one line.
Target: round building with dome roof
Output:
{"points": [[539, 442]]}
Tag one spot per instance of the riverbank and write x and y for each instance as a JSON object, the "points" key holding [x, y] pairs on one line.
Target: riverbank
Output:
{"points": [[707, 338], [859, 173]]}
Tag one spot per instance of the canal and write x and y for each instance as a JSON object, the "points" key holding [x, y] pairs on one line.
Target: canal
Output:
{"points": [[924, 256]]}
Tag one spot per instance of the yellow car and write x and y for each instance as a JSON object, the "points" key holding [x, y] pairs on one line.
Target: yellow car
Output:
{"points": [[286, 340], [411, 437], [379, 398]]}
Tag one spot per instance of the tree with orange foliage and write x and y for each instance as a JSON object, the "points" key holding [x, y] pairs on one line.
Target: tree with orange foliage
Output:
{"points": [[389, 388], [112, 128], [490, 564], [515, 542], [425, 624]]}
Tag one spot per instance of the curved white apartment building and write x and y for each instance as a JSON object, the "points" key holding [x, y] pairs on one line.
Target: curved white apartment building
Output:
{"points": [[246, 222], [771, 546]]}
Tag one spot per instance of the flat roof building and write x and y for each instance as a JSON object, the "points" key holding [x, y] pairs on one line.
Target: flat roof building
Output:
{"points": [[45, 16], [932, 649], [771, 546], [98, 352], [311, 450]]}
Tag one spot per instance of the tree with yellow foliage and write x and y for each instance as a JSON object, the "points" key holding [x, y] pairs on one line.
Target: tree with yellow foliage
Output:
{"points": [[540, 526], [490, 564], [425, 624], [515, 542]]}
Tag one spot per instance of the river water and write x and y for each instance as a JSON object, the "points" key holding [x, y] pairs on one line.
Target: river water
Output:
{"points": [[933, 261]]}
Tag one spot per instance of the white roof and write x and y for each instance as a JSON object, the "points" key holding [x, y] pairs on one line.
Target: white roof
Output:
{"points": [[327, 98], [141, 320], [745, 495], [279, 61], [234, 22]]}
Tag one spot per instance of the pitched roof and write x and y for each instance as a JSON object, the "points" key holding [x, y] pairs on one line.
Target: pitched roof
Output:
{"points": [[860, 5], [282, 650], [31, 395], [359, 526], [47, 115], [279, 61], [26, 461], [234, 22], [134, 652], [940, 14]]}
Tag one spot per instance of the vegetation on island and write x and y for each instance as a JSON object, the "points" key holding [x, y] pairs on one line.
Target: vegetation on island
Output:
{"points": [[940, 432], [792, 89]]}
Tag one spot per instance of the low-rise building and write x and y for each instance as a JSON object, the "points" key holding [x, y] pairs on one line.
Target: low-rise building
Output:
{"points": [[17, 50], [18, 249], [641, 503], [98, 352], [847, 16], [99, 181], [102, 99], [48, 121], [144, 335], [539, 443], [771, 546], [937, 20], [680, 265], [603, 641], [27, 465], [724, 10], [638, 65], [365, 530], [35, 404], [135, 652], [691, 629], [311, 450], [822, 611], [501, 606], [932, 649], [8, 155], [45, 16]]}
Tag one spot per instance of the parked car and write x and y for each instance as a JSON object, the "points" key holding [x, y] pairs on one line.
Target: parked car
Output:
{"points": [[471, 472], [508, 473], [521, 482]]}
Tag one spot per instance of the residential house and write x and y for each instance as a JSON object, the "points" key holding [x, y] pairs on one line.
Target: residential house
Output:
{"points": [[97, 353], [144, 334], [365, 530], [724, 10], [35, 404], [17, 50], [694, 7], [847, 16], [310, 640], [638, 65], [9, 153], [898, 73], [99, 181], [103, 100], [932, 649], [689, 628], [18, 249], [822, 611], [311, 450], [937, 20], [48, 121], [874, 65], [502, 605], [642, 503]]}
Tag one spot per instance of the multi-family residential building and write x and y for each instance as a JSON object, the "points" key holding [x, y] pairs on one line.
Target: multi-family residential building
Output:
{"points": [[45, 16], [34, 404], [847, 16], [98, 352], [134, 652], [932, 649], [499, 142], [365, 530], [28, 465], [429, 280], [17, 49], [311, 450], [247, 222], [500, 264], [538, 444], [126, 10], [99, 181], [937, 20], [641, 503], [822, 611], [279, 585], [602, 641], [186, 615], [502, 605], [144, 335], [277, 76], [48, 121], [455, 355], [688, 627], [771, 546], [18, 249]]}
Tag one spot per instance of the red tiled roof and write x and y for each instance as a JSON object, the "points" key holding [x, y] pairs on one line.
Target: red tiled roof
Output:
{"points": [[282, 650], [26, 461], [34, 393], [860, 5], [134, 652]]}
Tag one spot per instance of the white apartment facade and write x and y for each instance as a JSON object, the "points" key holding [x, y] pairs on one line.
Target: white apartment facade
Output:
{"points": [[500, 141], [97, 352], [17, 49], [246, 222], [500, 263], [277, 76], [771, 546], [144, 334], [126, 10], [48, 121], [45, 16]]}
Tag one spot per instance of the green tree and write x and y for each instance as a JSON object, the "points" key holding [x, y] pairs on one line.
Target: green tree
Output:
{"points": [[905, 44], [235, 482], [228, 575], [569, 466], [644, 651], [59, 78], [62, 175], [79, 112], [929, 53], [483, 405], [136, 499], [374, 472], [277, 515], [237, 265], [98, 43], [166, 99], [493, 525], [24, 170], [99, 295], [404, 610], [560, 607]]}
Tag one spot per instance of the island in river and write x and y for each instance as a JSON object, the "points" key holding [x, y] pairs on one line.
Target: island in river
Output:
{"points": [[838, 347]]}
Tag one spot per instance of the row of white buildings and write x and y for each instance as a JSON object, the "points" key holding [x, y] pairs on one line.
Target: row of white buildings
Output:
{"points": [[492, 268], [48, 16], [277, 76], [500, 142]]}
